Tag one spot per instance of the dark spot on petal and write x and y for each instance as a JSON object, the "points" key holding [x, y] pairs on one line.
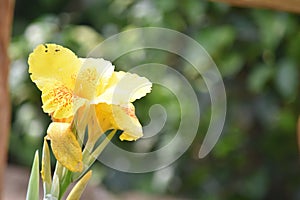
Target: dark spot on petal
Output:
{"points": [[56, 50], [45, 46], [46, 50]]}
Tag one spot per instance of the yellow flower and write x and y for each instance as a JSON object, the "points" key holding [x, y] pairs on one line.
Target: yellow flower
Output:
{"points": [[55, 70], [68, 83], [114, 109]]}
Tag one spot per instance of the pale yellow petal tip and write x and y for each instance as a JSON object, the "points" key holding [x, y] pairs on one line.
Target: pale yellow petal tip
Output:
{"points": [[88, 175], [65, 146], [78, 189], [46, 163], [129, 137], [124, 87]]}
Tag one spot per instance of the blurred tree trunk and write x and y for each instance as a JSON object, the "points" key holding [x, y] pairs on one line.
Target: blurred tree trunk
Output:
{"points": [[6, 15], [283, 5]]}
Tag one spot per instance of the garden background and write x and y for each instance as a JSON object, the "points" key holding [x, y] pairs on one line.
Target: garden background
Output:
{"points": [[258, 54]]}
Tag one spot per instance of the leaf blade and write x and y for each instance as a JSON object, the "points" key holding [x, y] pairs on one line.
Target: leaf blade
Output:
{"points": [[33, 184]]}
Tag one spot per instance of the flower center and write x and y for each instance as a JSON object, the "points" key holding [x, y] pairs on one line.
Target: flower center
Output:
{"points": [[58, 101], [62, 96], [129, 111]]}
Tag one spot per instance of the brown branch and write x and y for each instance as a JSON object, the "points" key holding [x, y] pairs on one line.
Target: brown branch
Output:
{"points": [[282, 5], [6, 15]]}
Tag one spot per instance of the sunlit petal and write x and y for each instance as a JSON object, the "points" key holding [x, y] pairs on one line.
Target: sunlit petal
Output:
{"points": [[93, 77], [120, 117], [58, 100], [124, 88], [51, 61]]}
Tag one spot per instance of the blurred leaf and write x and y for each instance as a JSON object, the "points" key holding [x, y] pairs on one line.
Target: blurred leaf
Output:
{"points": [[287, 79], [255, 185], [194, 11], [165, 6], [84, 38], [33, 184], [216, 39], [258, 77], [41, 31], [231, 64], [293, 47], [228, 144], [287, 120], [272, 27]]}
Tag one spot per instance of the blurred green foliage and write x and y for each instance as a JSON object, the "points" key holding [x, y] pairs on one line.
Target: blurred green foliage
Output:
{"points": [[258, 55]]}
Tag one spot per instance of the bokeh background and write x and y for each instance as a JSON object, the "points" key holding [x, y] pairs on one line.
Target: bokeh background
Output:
{"points": [[258, 55]]}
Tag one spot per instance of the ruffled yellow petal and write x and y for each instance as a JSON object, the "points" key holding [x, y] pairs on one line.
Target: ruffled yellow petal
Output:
{"points": [[51, 61], [93, 77], [65, 147], [119, 117], [123, 88], [59, 101]]}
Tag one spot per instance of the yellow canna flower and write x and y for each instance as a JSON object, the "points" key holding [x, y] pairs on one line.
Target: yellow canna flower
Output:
{"points": [[80, 93], [68, 82], [55, 70], [114, 109]]}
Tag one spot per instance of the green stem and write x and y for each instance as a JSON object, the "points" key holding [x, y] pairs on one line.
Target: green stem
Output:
{"points": [[58, 170], [89, 157], [66, 181], [100, 148]]}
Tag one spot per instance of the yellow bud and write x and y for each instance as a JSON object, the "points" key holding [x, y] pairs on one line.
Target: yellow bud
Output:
{"points": [[46, 168], [65, 147]]}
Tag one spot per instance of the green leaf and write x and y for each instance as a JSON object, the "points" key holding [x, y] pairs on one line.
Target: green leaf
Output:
{"points": [[33, 185], [101, 147], [65, 182]]}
